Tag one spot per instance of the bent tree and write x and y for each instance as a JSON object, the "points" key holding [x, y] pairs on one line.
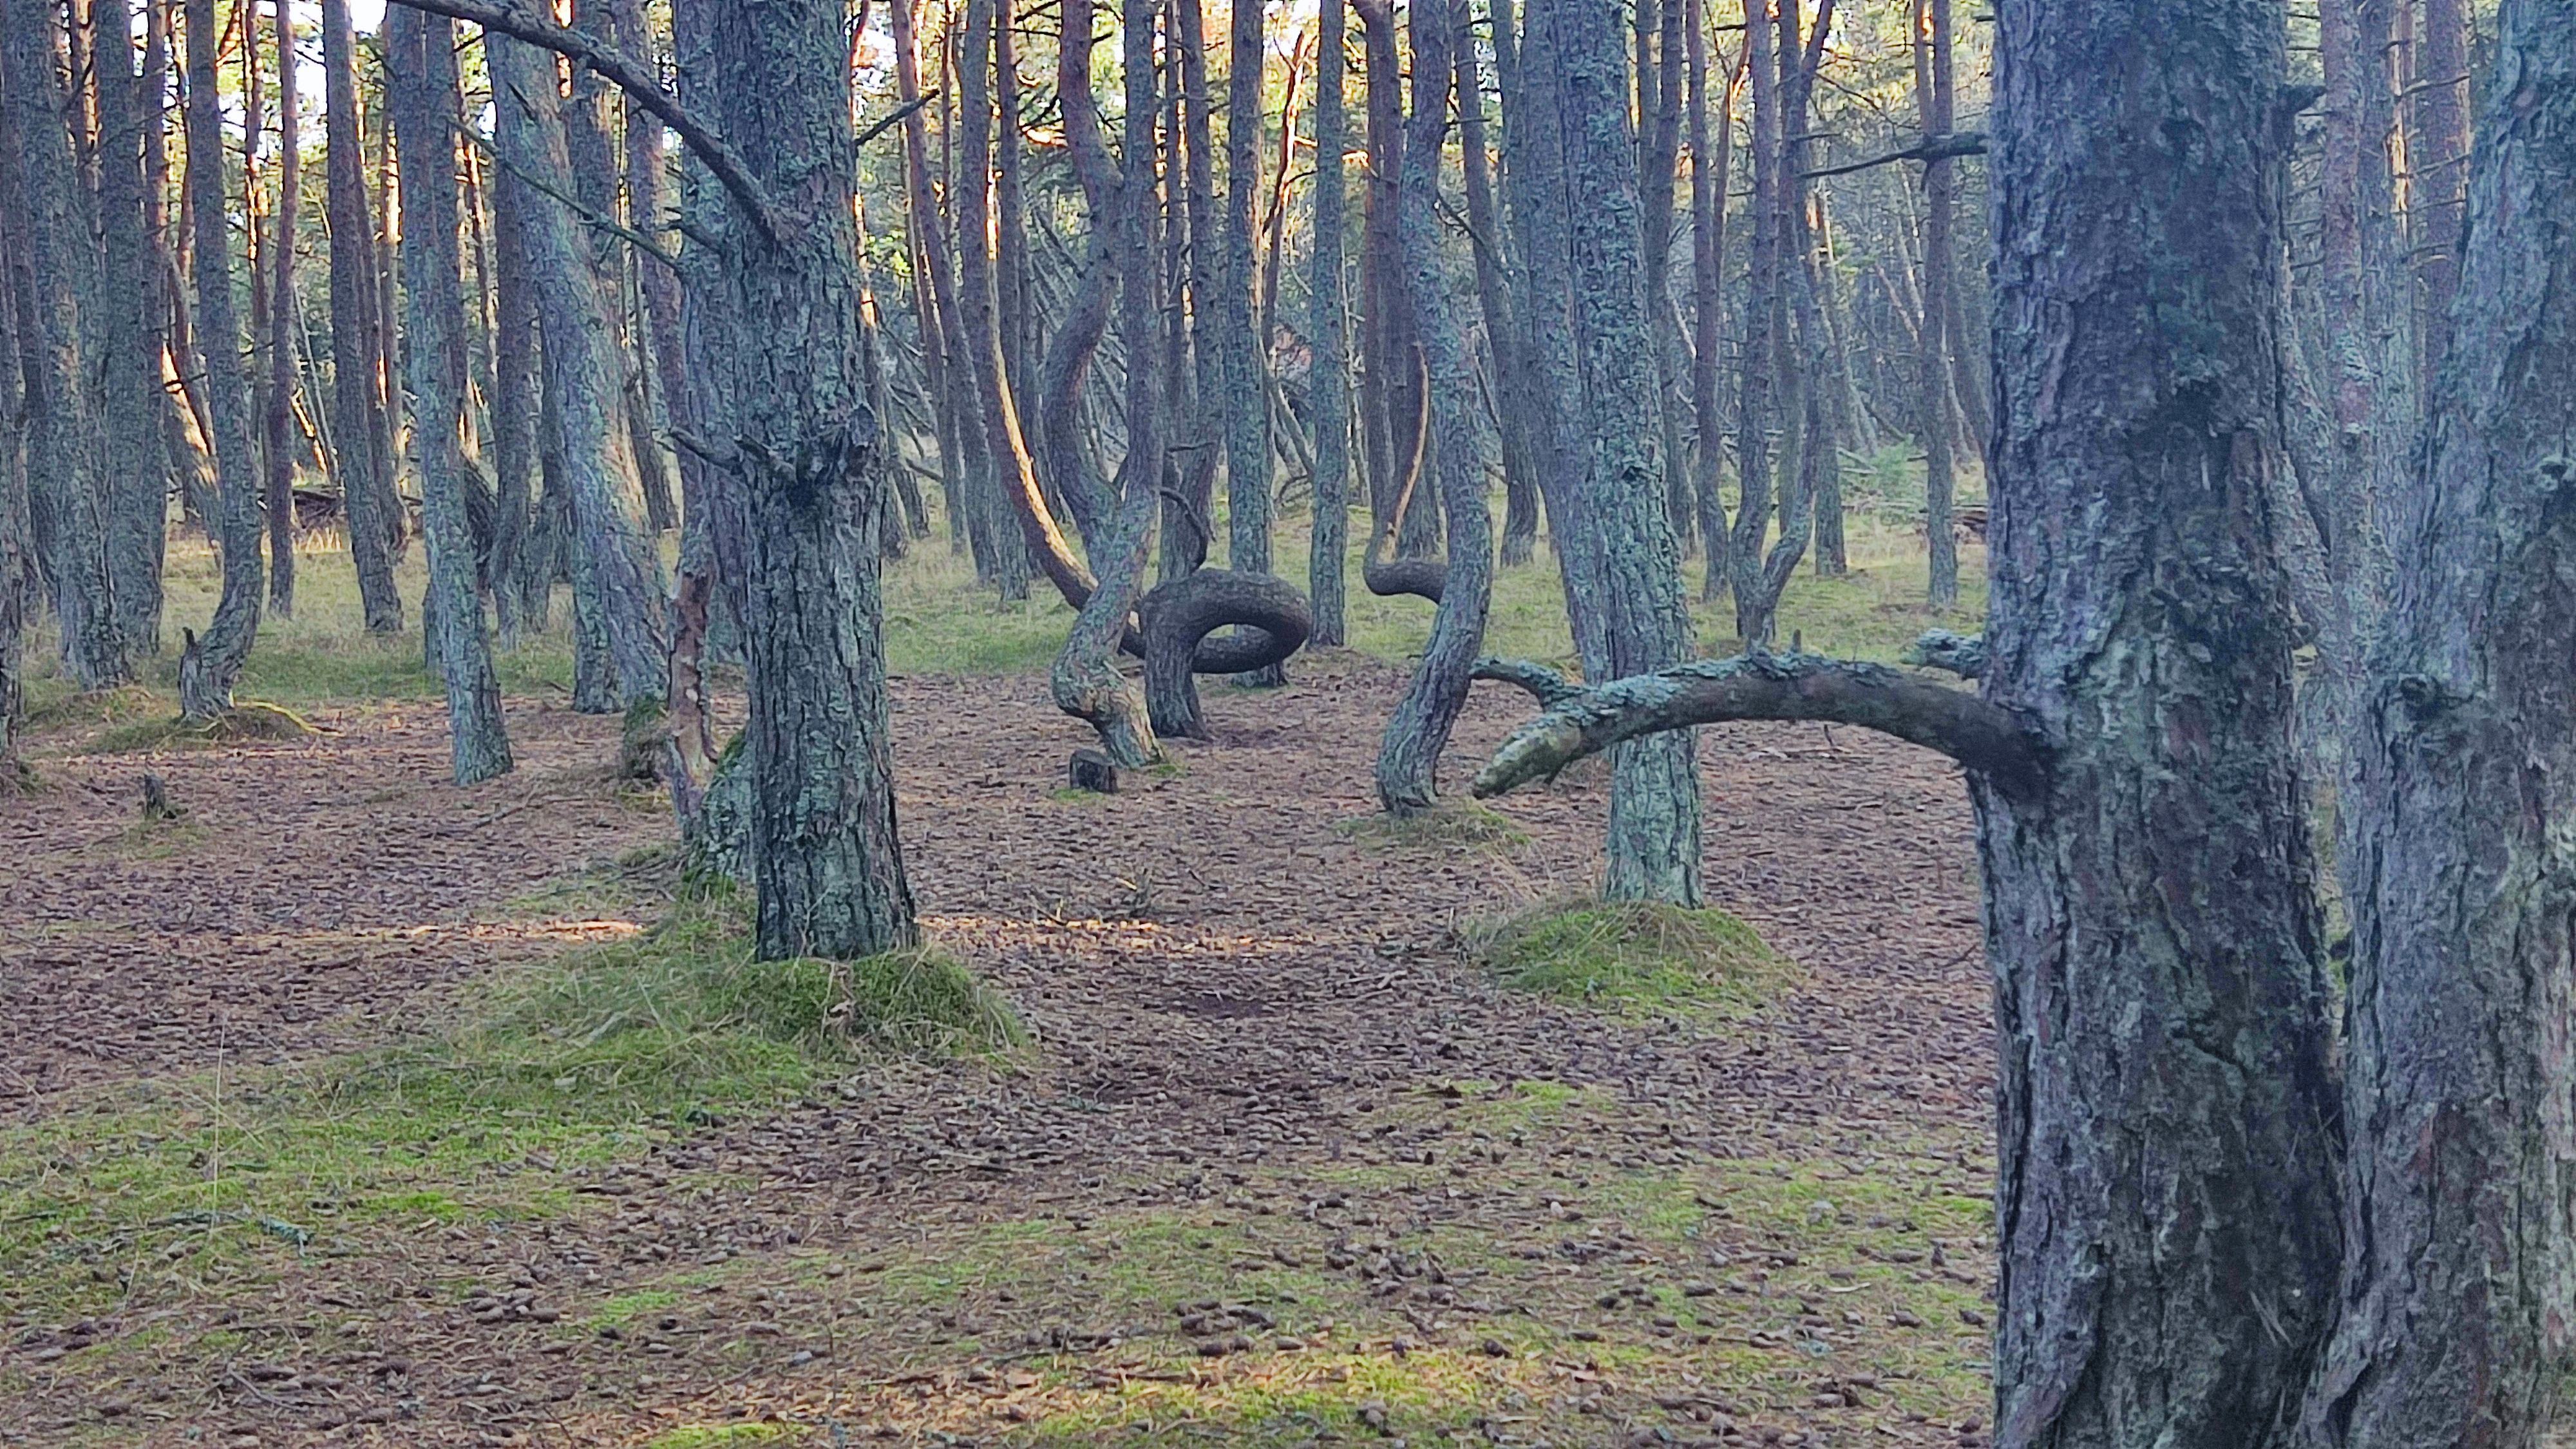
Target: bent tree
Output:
{"points": [[2166, 1202]]}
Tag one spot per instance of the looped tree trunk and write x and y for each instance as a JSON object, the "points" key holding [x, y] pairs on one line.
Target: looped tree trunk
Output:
{"points": [[1179, 616]]}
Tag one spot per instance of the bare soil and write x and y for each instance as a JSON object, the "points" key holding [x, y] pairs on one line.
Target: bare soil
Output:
{"points": [[1280, 1150]]}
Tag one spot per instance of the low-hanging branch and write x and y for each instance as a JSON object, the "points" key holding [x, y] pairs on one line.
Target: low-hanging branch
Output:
{"points": [[639, 81], [1930, 148], [1981, 736]]}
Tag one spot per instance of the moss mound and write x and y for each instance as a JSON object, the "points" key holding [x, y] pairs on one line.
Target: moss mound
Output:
{"points": [[247, 722], [1450, 825], [1637, 958]]}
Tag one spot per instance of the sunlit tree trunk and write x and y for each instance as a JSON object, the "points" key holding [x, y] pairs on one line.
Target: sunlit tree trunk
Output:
{"points": [[366, 473], [281, 445]]}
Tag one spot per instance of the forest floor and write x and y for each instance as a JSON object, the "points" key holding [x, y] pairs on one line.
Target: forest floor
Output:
{"points": [[1282, 1164]]}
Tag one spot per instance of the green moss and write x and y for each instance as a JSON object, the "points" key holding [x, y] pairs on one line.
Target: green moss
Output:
{"points": [[1635, 957], [717, 1436], [1448, 825]]}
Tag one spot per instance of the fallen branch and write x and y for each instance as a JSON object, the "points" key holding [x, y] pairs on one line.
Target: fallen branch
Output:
{"points": [[1981, 736]]}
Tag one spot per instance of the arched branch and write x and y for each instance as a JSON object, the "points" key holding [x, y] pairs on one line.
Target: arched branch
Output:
{"points": [[1543, 684], [1981, 736]]}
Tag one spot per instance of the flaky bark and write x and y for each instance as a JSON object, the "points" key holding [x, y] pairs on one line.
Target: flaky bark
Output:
{"points": [[1409, 755], [1328, 387], [366, 471], [2458, 1270], [420, 76], [207, 690]]}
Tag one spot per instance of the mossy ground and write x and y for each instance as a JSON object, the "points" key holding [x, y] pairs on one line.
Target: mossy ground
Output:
{"points": [[1636, 958]]}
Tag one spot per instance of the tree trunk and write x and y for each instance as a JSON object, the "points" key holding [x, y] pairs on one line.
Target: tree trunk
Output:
{"points": [[280, 456], [2437, 164], [827, 862], [1710, 152], [934, 297], [206, 691], [1507, 341], [2457, 1275], [1635, 575], [138, 470], [366, 474], [1933, 103], [68, 501], [1409, 756], [1758, 413], [1328, 384], [1659, 87], [613, 548], [521, 580], [2167, 1137], [1242, 353], [17, 539], [420, 78]]}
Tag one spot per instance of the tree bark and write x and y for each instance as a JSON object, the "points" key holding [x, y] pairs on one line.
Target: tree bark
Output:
{"points": [[366, 473], [1507, 341], [17, 538], [934, 290], [808, 450], [1409, 755], [1634, 578], [280, 454], [1758, 412], [1711, 149], [523, 574], [1328, 384], [138, 470], [1933, 93], [2166, 1123], [613, 543], [2437, 163], [206, 691], [68, 501], [1242, 353], [2457, 1272], [420, 78]]}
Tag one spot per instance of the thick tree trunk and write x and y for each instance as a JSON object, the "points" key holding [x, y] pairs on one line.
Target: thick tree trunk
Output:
{"points": [[1409, 755], [1933, 102], [138, 470], [420, 76], [1635, 576], [613, 542], [68, 500], [1328, 384], [366, 473], [206, 691], [280, 455], [829, 868], [2457, 1272], [2166, 1201]]}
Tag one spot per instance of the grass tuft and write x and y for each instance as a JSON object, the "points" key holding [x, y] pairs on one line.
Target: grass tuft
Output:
{"points": [[248, 721], [1639, 958], [1448, 825]]}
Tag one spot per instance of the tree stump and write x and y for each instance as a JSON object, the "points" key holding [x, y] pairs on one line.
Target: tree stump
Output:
{"points": [[1091, 770]]}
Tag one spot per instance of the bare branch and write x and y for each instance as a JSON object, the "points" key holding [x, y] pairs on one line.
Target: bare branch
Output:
{"points": [[1930, 148], [1981, 736], [639, 81]]}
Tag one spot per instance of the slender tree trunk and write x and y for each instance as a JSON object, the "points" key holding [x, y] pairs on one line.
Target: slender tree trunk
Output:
{"points": [[420, 78], [280, 456], [2166, 1121], [1759, 411], [68, 500], [1508, 343], [1933, 102], [1393, 363], [1409, 756], [18, 583], [1635, 578], [366, 474], [613, 544], [137, 464], [521, 581], [1328, 385], [1659, 87], [2437, 155], [934, 298], [1242, 352], [1710, 151], [2457, 1270]]}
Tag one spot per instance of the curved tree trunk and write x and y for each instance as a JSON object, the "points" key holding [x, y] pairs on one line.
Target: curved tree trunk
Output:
{"points": [[366, 474], [207, 690], [2458, 1273], [420, 71], [1328, 389], [1409, 756]]}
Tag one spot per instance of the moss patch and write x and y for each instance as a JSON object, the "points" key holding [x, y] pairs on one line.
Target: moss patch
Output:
{"points": [[1640, 958], [1448, 825]]}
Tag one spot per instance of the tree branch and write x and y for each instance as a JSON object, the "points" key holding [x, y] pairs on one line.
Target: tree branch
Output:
{"points": [[639, 81], [574, 204], [1545, 685], [1980, 736], [1930, 148], [1962, 654]]}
